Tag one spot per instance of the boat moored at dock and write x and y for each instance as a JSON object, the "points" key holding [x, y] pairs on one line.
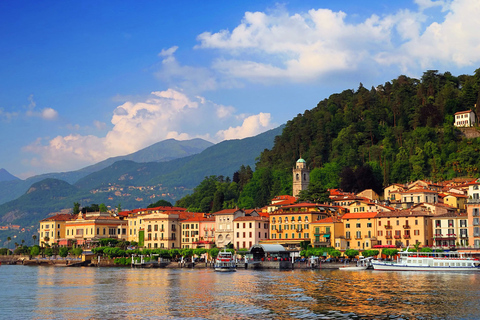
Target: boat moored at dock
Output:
{"points": [[429, 261], [225, 262]]}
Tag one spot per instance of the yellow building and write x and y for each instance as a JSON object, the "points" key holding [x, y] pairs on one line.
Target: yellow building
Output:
{"points": [[458, 201], [161, 230], [291, 224], [139, 219], [404, 228], [392, 192], [92, 226], [52, 229], [327, 232], [360, 230]]}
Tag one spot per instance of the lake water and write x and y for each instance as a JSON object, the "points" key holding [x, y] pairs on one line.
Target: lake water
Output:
{"points": [[114, 293]]}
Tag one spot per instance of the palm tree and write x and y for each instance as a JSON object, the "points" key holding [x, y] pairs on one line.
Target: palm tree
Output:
{"points": [[9, 239], [34, 237], [417, 245]]}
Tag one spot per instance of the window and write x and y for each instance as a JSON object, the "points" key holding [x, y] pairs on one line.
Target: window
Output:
{"points": [[380, 233], [359, 235], [369, 225], [347, 225], [250, 225], [358, 225]]}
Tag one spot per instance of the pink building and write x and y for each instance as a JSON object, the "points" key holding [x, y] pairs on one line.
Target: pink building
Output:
{"points": [[249, 230]]}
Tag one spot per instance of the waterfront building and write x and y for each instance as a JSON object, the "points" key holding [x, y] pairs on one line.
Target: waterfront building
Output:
{"points": [[290, 225], [198, 232], [87, 228], [159, 230], [450, 230], [250, 230], [136, 224], [328, 232], [224, 225], [360, 230], [52, 229], [301, 177], [404, 228]]}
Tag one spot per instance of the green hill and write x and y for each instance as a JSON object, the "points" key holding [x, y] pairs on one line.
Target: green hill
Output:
{"points": [[42, 198]]}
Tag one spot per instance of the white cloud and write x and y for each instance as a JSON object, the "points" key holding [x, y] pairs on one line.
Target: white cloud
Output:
{"points": [[224, 111], [192, 79], [251, 126], [301, 47], [46, 113], [49, 114], [297, 47], [136, 125], [455, 40]]}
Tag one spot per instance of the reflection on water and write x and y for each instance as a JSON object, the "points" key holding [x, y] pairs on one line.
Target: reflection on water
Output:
{"points": [[111, 293]]}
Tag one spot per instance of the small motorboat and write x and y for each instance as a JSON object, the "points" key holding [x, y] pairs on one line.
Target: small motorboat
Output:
{"points": [[362, 264]]}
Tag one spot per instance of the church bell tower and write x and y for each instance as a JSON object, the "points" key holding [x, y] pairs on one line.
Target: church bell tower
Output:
{"points": [[301, 177]]}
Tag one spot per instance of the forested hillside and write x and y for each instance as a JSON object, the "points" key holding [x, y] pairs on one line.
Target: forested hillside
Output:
{"points": [[396, 132]]}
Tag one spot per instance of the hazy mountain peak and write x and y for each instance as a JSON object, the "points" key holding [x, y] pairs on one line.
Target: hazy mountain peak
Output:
{"points": [[6, 176]]}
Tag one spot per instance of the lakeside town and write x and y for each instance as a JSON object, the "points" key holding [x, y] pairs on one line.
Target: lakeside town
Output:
{"points": [[426, 214]]}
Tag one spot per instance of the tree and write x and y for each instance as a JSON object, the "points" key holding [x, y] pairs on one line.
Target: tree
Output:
{"points": [[63, 252], [315, 193], [9, 239], [35, 251], [76, 208], [351, 253], [160, 203], [49, 252], [34, 237], [102, 207], [417, 246], [213, 252]]}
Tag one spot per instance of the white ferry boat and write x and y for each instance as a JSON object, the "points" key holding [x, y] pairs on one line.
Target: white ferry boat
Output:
{"points": [[225, 262], [429, 261]]}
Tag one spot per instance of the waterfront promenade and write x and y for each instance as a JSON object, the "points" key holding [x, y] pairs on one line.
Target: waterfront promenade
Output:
{"points": [[76, 262]]}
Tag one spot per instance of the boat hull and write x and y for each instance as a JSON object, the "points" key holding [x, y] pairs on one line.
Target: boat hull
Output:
{"points": [[352, 268], [402, 267], [225, 269]]}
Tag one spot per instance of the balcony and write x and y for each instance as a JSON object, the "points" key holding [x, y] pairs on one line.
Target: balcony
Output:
{"points": [[463, 235], [397, 236], [473, 201], [388, 236], [280, 231], [388, 226], [406, 236], [406, 226]]}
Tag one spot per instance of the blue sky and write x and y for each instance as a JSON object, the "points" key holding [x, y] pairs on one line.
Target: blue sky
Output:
{"points": [[84, 81]]}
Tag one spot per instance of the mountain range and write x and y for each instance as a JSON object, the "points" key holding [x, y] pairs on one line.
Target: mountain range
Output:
{"points": [[165, 150], [129, 181]]}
